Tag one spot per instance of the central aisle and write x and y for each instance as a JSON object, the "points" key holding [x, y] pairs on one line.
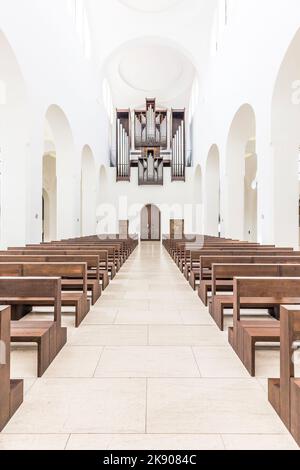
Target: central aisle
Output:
{"points": [[148, 369]]}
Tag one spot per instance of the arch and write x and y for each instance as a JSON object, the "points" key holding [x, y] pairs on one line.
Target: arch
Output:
{"points": [[242, 134], [212, 192], [285, 122], [49, 198], [14, 149], [68, 193], [88, 192], [197, 225]]}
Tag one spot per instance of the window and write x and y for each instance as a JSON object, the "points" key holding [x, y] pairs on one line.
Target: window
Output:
{"points": [[108, 102], [219, 25], [3, 93], [79, 15], [194, 99]]}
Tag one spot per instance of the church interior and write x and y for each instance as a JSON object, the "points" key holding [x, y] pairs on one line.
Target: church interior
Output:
{"points": [[149, 225]]}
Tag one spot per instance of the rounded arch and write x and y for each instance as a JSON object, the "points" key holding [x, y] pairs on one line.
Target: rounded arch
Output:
{"points": [[212, 192], [241, 148], [198, 181], [58, 127], [197, 225], [285, 120], [14, 144], [88, 192], [49, 197]]}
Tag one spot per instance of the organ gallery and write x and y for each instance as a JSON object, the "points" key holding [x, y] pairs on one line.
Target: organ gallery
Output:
{"points": [[150, 139]]}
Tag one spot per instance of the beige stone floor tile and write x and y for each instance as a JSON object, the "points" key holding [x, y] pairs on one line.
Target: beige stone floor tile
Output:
{"points": [[99, 316], [214, 362], [33, 441], [120, 302], [110, 335], [170, 335], [147, 361], [196, 317], [227, 406], [75, 362], [65, 406], [150, 317], [145, 442], [259, 442], [24, 361]]}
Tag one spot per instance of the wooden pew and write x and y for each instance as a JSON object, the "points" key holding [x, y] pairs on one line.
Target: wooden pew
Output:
{"points": [[78, 300], [115, 256], [11, 391], [94, 260], [207, 263], [284, 393], [49, 336], [253, 293], [218, 303], [196, 270]]}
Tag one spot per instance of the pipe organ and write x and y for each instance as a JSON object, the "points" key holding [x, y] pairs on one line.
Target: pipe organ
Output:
{"points": [[158, 142], [123, 145], [178, 145]]}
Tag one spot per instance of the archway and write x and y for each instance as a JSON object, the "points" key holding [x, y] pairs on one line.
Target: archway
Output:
{"points": [[49, 198], [67, 188], [150, 223], [14, 150], [286, 142], [197, 225], [88, 193], [212, 193], [240, 167]]}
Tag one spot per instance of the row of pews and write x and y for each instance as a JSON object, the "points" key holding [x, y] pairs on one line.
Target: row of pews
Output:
{"points": [[70, 273], [246, 279]]}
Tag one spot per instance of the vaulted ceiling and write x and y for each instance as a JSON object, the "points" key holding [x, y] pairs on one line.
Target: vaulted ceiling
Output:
{"points": [[151, 48]]}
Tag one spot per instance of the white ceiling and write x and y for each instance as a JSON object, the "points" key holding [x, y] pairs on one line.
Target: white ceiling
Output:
{"points": [[150, 6], [149, 68], [151, 48]]}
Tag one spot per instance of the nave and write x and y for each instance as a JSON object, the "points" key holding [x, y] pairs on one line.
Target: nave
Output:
{"points": [[148, 368]]}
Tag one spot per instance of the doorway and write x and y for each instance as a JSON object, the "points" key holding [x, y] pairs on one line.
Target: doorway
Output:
{"points": [[150, 223]]}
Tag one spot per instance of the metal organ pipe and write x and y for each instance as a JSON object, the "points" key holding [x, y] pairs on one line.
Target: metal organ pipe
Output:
{"points": [[182, 149], [123, 149], [180, 156]]}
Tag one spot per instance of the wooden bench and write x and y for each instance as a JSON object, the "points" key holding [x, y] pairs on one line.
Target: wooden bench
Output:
{"points": [[219, 302], [49, 336], [92, 262], [256, 293], [95, 271], [207, 263], [11, 391], [284, 393], [78, 300], [198, 271], [114, 256]]}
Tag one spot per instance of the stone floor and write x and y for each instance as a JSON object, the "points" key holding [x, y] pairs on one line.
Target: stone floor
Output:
{"points": [[148, 369]]}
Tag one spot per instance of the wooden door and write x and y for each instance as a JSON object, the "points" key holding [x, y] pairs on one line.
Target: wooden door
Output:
{"points": [[150, 223]]}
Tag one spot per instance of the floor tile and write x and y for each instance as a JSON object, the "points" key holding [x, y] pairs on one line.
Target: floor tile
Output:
{"points": [[147, 362], [210, 406], [145, 442], [60, 406]]}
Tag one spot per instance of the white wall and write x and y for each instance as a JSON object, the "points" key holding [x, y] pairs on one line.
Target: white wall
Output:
{"points": [[125, 201], [50, 69], [245, 69], [54, 72]]}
